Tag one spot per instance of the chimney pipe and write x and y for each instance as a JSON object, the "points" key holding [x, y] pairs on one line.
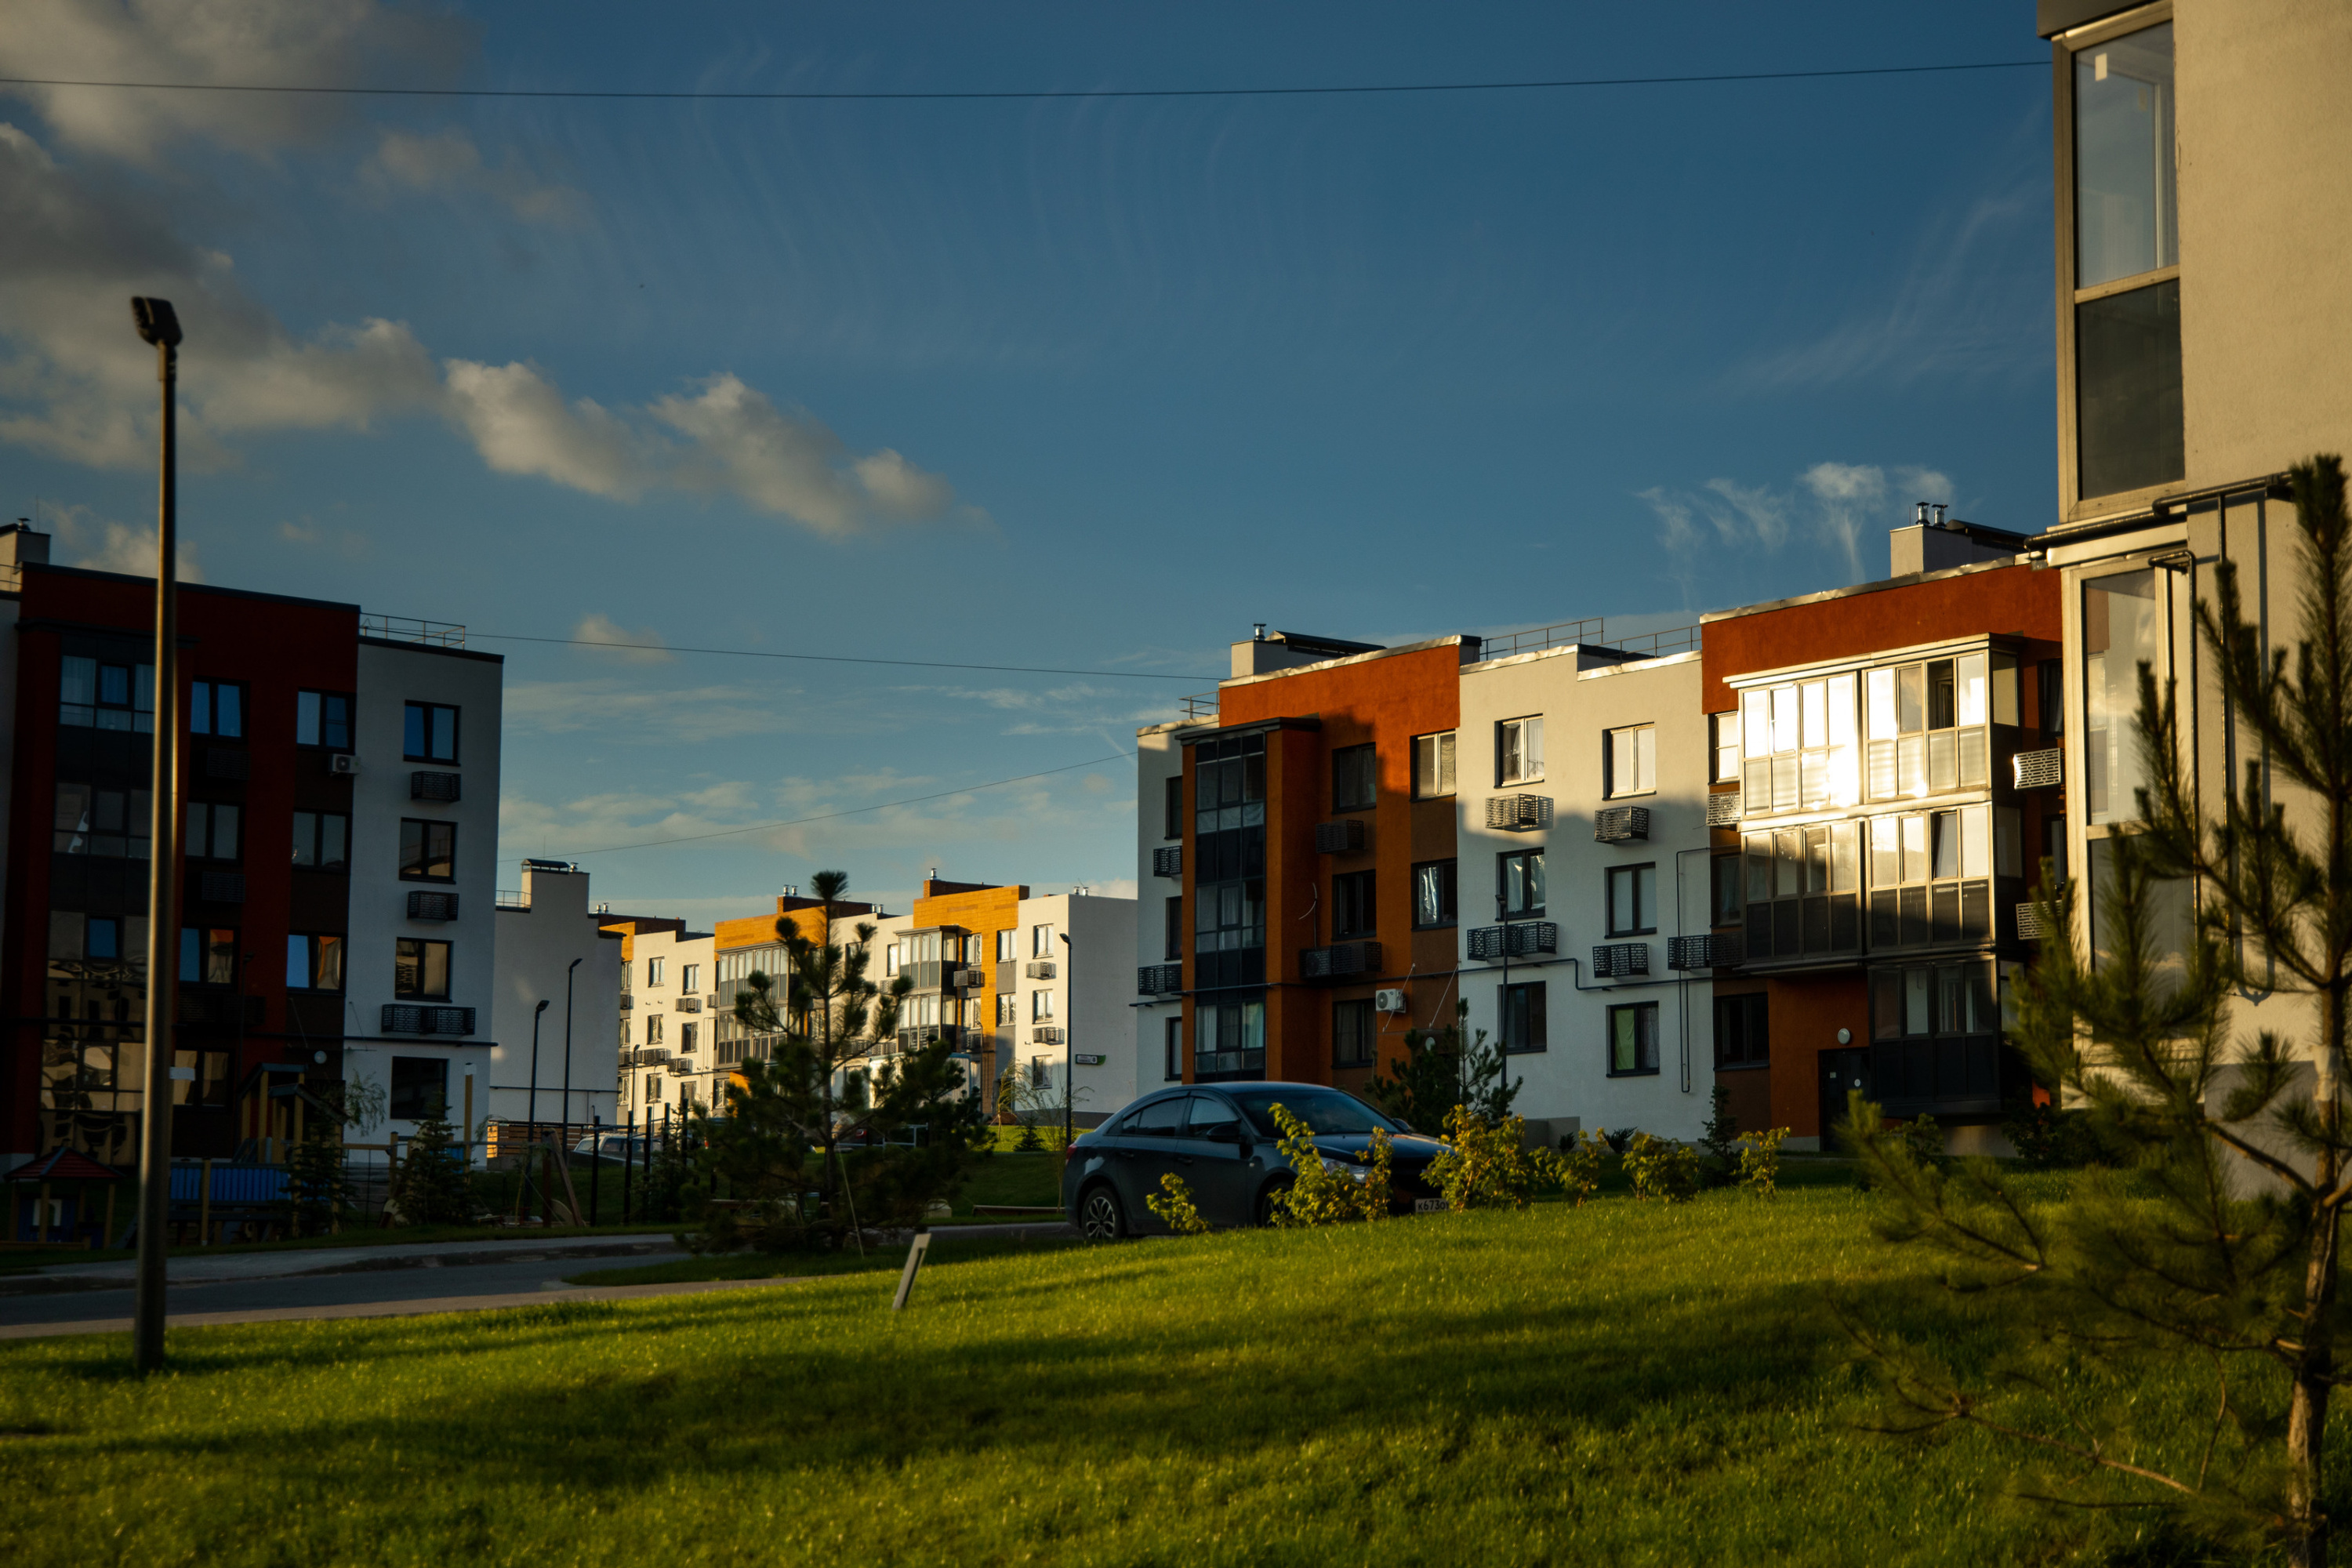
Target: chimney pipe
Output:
{"points": [[1257, 631]]}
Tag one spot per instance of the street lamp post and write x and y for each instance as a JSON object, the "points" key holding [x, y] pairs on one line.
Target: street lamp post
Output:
{"points": [[159, 325], [1069, 1053], [567, 1061], [531, 1109], [1503, 999]]}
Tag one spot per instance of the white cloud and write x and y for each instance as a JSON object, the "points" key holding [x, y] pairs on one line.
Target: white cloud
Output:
{"points": [[82, 537], [1849, 495], [449, 162], [326, 43], [1837, 504], [600, 627]]}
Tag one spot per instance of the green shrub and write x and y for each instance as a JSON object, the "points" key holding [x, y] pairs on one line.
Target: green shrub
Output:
{"points": [[1720, 1139], [1489, 1162], [1760, 1161], [1578, 1163], [1662, 1168], [1325, 1191], [1175, 1208], [2049, 1139]]}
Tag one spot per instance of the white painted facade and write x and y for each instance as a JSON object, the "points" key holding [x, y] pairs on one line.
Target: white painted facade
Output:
{"points": [[551, 949], [668, 1029], [458, 1026], [1158, 1003], [1618, 894], [1072, 1020]]}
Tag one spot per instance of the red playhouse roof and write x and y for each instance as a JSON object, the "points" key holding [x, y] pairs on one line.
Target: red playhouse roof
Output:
{"points": [[64, 1165]]}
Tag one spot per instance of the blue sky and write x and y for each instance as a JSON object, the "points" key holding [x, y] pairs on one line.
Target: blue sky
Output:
{"points": [[1089, 385]]}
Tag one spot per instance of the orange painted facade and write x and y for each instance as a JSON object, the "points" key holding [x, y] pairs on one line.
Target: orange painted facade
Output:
{"points": [[1381, 699]]}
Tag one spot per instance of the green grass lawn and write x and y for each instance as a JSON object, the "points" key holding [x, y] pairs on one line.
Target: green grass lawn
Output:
{"points": [[1624, 1383]]}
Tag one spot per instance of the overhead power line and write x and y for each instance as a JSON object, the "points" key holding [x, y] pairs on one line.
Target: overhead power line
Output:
{"points": [[1363, 88], [854, 811], [842, 657]]}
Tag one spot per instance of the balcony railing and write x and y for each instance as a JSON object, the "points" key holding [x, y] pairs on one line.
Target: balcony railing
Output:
{"points": [[1723, 808], [1047, 1034], [406, 1018], [2031, 926], [1040, 969], [1620, 959], [968, 979], [1703, 952], [1340, 960], [510, 899], [401, 628], [2039, 770], [1513, 939], [425, 906], [689, 1004], [1344, 837], [1160, 980], [1168, 861], [627, 1001], [1519, 813], [1621, 823]]}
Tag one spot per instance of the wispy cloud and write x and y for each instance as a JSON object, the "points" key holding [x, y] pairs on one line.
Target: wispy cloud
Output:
{"points": [[448, 161], [1831, 504], [642, 645], [82, 537]]}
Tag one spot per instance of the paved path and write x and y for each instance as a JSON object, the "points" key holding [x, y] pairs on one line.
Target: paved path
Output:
{"points": [[192, 1268]]}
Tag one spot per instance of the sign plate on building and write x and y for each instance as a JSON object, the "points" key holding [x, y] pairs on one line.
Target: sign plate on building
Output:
{"points": [[1090, 1061]]}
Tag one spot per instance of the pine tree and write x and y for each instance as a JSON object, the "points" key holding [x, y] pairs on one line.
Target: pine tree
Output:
{"points": [[2217, 1235], [1443, 1069], [431, 1186]]}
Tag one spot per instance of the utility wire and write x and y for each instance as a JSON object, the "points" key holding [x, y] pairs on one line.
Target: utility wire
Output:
{"points": [[843, 658], [1345, 89], [856, 810]]}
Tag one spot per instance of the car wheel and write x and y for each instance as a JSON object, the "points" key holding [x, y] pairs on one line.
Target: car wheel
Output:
{"points": [[1100, 1217], [1274, 1189]]}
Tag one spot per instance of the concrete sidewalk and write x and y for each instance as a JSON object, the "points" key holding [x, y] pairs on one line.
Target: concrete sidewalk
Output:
{"points": [[199, 1270]]}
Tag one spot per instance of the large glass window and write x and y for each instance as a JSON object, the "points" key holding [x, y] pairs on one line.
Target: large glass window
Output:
{"points": [[1798, 740], [1928, 878], [1936, 1037], [429, 733], [1526, 1017], [1803, 891], [1927, 727], [95, 821], [1353, 1034], [323, 719], [420, 1088], [1518, 751], [2119, 632], [2125, 221], [1634, 1039], [1633, 901], [1229, 864], [1433, 765], [420, 969], [216, 708], [1232, 916], [207, 955], [1355, 778], [1433, 894], [1742, 1037], [323, 838], [1354, 907], [1519, 878], [315, 963], [1630, 765], [94, 694], [428, 850], [1231, 1038]]}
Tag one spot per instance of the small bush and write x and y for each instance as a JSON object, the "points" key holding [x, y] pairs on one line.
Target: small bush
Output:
{"points": [[1175, 1208], [1489, 1162], [1760, 1161], [1924, 1139], [1621, 1140], [2049, 1139], [1578, 1163], [1326, 1191], [1720, 1139], [1662, 1168]]}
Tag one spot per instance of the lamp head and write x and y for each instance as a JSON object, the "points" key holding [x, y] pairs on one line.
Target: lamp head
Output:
{"points": [[540, 1009], [158, 322]]}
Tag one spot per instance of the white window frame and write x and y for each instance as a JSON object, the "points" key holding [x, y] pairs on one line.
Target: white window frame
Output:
{"points": [[1641, 742], [1433, 765], [1519, 750]]}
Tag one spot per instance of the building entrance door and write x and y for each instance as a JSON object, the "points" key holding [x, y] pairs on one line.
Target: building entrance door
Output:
{"points": [[1842, 1072]]}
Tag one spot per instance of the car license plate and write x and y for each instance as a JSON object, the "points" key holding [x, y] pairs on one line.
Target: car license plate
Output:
{"points": [[1429, 1205]]}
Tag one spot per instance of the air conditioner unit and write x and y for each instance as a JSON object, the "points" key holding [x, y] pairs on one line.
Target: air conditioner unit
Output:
{"points": [[1388, 1001], [345, 763]]}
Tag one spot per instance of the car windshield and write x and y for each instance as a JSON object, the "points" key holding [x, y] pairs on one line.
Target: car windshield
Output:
{"points": [[1323, 1110]]}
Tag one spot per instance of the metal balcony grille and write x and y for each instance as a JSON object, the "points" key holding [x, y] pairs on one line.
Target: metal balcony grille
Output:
{"points": [[1701, 952], [2039, 770], [627, 1001], [1621, 959], [1344, 837], [1520, 939], [689, 1004], [1046, 1035], [432, 786], [1169, 861], [2031, 926], [1621, 823], [968, 979], [1339, 960], [424, 906], [1723, 808], [222, 887], [1159, 979], [1040, 969], [1519, 813], [407, 1019]]}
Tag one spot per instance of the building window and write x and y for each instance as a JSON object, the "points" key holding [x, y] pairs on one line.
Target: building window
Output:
{"points": [[1230, 917], [108, 822], [2119, 632], [1172, 823], [1741, 1039], [420, 1089], [1937, 1031], [1041, 942], [211, 1084], [1928, 878], [653, 1028], [688, 1036], [429, 733], [1634, 1039], [93, 694], [1174, 946], [2049, 696], [1355, 778], [211, 831], [1171, 1042], [1008, 945], [323, 719], [1352, 1034], [420, 969], [1797, 746], [1927, 729], [1008, 1007], [216, 708], [1519, 878], [1518, 751], [1802, 889], [2127, 226], [1630, 763], [1037, 1071], [1433, 902], [207, 956], [315, 963], [1723, 890], [428, 850], [1723, 747], [107, 937], [323, 838], [654, 1085], [1228, 1040], [1526, 1018], [1041, 1007], [1353, 909], [654, 969], [1433, 765], [690, 977], [1633, 901], [890, 960]]}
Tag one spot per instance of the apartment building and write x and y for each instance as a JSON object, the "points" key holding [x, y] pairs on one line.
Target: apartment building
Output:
{"points": [[668, 1021], [556, 950], [1065, 1022], [1578, 777], [1883, 772], [1162, 929], [1317, 880], [297, 959], [2200, 260]]}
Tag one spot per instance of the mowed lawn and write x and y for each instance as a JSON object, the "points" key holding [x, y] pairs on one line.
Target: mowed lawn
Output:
{"points": [[1623, 1384]]}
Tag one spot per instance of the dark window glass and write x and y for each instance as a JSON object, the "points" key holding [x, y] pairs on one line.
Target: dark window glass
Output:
{"points": [[212, 831], [323, 838], [1175, 947], [314, 962], [1519, 878], [323, 719], [428, 850], [1633, 900], [216, 708], [1353, 1031], [2049, 695], [420, 969], [429, 733], [1634, 1039], [1355, 778], [1525, 1017], [1172, 1041], [2127, 390], [1210, 1117], [1433, 899], [1741, 1039], [1724, 900], [1173, 826], [1352, 905], [1161, 1119], [207, 955], [420, 1088]]}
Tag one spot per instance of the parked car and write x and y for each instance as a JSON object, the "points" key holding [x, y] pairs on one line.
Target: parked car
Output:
{"points": [[1222, 1141]]}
